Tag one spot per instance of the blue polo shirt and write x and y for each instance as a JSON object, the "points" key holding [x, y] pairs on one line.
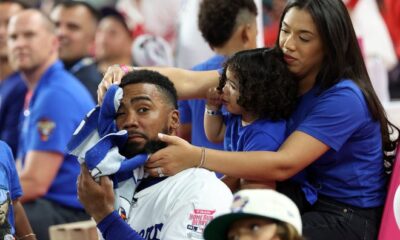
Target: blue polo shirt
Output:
{"points": [[261, 135], [192, 111], [352, 170], [12, 96], [58, 104], [10, 189]]}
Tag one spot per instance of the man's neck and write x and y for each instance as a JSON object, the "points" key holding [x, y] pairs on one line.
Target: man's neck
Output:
{"points": [[5, 68], [104, 64], [33, 76]]}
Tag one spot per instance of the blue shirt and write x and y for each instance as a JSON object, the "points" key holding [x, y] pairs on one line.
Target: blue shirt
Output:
{"points": [[192, 111], [352, 170], [58, 104], [261, 135], [10, 190], [12, 96]]}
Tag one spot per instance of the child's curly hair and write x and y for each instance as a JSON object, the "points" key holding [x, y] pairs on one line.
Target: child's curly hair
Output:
{"points": [[266, 86]]}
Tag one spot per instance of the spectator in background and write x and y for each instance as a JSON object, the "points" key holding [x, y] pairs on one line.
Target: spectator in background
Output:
{"points": [[76, 24], [113, 40], [12, 87], [56, 104], [13, 221], [273, 9], [390, 10], [228, 26]]}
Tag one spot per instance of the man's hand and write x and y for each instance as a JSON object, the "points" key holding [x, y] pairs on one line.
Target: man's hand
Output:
{"points": [[96, 198]]}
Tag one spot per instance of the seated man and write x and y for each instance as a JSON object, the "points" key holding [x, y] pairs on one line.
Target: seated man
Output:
{"points": [[176, 207]]}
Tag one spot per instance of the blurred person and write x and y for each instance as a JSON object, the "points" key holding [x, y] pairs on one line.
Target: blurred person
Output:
{"points": [[177, 207], [228, 26], [76, 24], [12, 87], [113, 40], [257, 215], [13, 220], [55, 106], [273, 9]]}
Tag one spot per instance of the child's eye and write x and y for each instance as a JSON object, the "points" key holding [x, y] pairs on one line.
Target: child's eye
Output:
{"points": [[255, 227], [118, 114]]}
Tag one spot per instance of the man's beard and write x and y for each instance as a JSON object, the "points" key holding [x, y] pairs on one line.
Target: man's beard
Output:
{"points": [[152, 145]]}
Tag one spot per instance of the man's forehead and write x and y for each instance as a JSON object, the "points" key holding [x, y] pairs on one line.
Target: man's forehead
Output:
{"points": [[151, 91]]}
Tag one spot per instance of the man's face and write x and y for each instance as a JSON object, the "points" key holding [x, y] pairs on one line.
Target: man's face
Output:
{"points": [[75, 30], [144, 113], [7, 9], [30, 42], [112, 39]]}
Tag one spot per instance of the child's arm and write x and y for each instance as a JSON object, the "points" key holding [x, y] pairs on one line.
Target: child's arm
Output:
{"points": [[214, 125], [23, 229]]}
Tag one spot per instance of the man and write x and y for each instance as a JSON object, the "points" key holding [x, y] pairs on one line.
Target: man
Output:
{"points": [[56, 105], [228, 26], [76, 23], [113, 40], [176, 207], [12, 87]]}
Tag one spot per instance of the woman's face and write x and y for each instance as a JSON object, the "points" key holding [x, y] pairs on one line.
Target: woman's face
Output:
{"points": [[301, 44], [253, 229], [230, 93]]}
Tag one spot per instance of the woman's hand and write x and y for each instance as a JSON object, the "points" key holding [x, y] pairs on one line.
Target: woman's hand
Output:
{"points": [[113, 75], [96, 198], [178, 156]]}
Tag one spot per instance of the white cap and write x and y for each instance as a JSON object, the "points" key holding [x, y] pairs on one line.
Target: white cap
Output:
{"points": [[263, 203]]}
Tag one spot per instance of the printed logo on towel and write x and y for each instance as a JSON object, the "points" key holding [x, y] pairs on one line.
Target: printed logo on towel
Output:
{"points": [[45, 128], [198, 220]]}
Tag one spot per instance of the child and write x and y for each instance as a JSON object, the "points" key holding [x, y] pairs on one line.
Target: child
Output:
{"points": [[13, 221], [259, 93], [258, 214]]}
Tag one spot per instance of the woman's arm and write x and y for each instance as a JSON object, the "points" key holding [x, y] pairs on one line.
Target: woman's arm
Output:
{"points": [[189, 84], [297, 152]]}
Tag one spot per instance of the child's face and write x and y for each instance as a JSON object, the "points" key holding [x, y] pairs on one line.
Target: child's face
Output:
{"points": [[253, 229], [230, 94]]}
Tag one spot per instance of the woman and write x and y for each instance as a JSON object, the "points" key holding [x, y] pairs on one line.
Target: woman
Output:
{"points": [[339, 133]]}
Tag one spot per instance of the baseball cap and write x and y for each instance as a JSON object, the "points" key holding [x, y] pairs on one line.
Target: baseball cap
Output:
{"points": [[262, 203]]}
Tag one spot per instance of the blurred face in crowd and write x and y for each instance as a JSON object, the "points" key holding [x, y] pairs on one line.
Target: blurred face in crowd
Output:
{"points": [[7, 9], [253, 229], [144, 112], [76, 29], [31, 40], [112, 39]]}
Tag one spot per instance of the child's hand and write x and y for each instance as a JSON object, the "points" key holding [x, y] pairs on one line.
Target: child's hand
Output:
{"points": [[214, 99]]}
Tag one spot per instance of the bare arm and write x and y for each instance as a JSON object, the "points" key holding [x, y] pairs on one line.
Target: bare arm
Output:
{"points": [[297, 152], [214, 125], [22, 225], [189, 84], [38, 173]]}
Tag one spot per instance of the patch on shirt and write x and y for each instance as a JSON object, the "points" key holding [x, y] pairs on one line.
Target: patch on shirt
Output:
{"points": [[199, 218], [5, 205], [45, 128]]}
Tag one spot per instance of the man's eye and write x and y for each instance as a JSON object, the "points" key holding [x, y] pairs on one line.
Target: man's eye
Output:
{"points": [[143, 110]]}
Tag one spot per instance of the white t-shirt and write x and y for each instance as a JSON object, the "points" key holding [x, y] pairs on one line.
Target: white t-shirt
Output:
{"points": [[180, 206]]}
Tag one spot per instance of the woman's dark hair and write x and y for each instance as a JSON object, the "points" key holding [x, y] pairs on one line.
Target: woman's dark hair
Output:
{"points": [[343, 60], [267, 88]]}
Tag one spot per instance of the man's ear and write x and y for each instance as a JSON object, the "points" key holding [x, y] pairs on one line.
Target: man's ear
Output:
{"points": [[174, 122]]}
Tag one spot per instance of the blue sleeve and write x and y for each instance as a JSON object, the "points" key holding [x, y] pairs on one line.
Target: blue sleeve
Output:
{"points": [[113, 227], [54, 120], [185, 112], [335, 117], [9, 174]]}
